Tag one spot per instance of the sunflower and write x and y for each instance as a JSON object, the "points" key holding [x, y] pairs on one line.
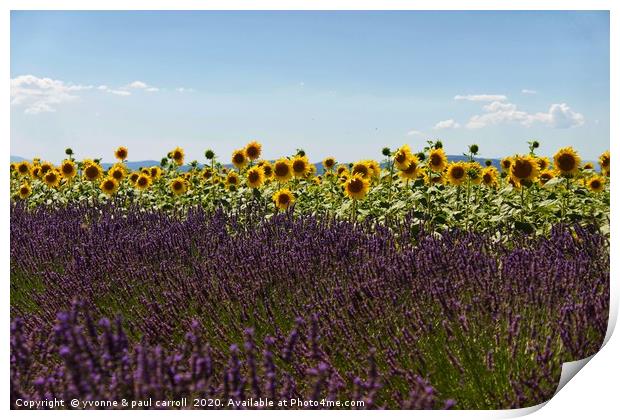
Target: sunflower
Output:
{"points": [[13, 167], [412, 171], [437, 160], [342, 169], [505, 164], [267, 168], [121, 153], [24, 191], [36, 171], [604, 161], [239, 159], [474, 172], [68, 169], [206, 173], [456, 173], [317, 180], [256, 177], [362, 169], [178, 155], [356, 187], [566, 161], [143, 182], [523, 168], [299, 165], [117, 171], [109, 185], [52, 178], [402, 157], [543, 162], [253, 150], [329, 162], [489, 176], [24, 168], [311, 171], [232, 179], [282, 170], [545, 176], [46, 166], [92, 170], [375, 169], [155, 172], [178, 186], [588, 166], [596, 183], [133, 177], [283, 199]]}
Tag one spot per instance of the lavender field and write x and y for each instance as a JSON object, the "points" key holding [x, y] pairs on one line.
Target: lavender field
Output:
{"points": [[112, 303]]}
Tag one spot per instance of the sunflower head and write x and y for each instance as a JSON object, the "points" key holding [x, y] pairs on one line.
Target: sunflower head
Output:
{"points": [[299, 165], [543, 163], [341, 170], [437, 160], [154, 172], [239, 159], [329, 162], [178, 155], [51, 178], [505, 164], [232, 179], [143, 181], [255, 177], [375, 169], [588, 166], [356, 187], [566, 161], [604, 161], [402, 156], [206, 173], [283, 199], [133, 177], [524, 169], [282, 170], [457, 173], [267, 169], [412, 170], [92, 171], [24, 191], [109, 185], [474, 172], [489, 176], [68, 169], [24, 168], [253, 150], [45, 166], [121, 153], [117, 171], [596, 183], [178, 186]]}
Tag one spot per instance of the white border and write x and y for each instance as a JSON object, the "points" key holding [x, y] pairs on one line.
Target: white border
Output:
{"points": [[593, 393]]}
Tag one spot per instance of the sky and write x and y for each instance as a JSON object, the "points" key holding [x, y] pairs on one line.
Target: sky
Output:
{"points": [[341, 84]]}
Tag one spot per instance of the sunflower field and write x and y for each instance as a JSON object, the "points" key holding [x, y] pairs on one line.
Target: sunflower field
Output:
{"points": [[414, 282]]}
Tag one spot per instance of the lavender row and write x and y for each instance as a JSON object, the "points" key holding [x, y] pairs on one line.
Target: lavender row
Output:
{"points": [[236, 307]]}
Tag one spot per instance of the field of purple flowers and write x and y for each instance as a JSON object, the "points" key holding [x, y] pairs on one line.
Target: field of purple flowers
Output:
{"points": [[108, 303]]}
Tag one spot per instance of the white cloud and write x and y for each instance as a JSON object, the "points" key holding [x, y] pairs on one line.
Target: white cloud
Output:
{"points": [[139, 85], [484, 97], [558, 116], [415, 133], [529, 91], [446, 124], [118, 92], [38, 95], [184, 90]]}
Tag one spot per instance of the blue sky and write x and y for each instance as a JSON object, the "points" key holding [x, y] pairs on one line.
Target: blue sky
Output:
{"points": [[333, 83]]}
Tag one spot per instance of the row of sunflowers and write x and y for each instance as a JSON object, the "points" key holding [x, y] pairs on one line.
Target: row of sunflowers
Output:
{"points": [[405, 180]]}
